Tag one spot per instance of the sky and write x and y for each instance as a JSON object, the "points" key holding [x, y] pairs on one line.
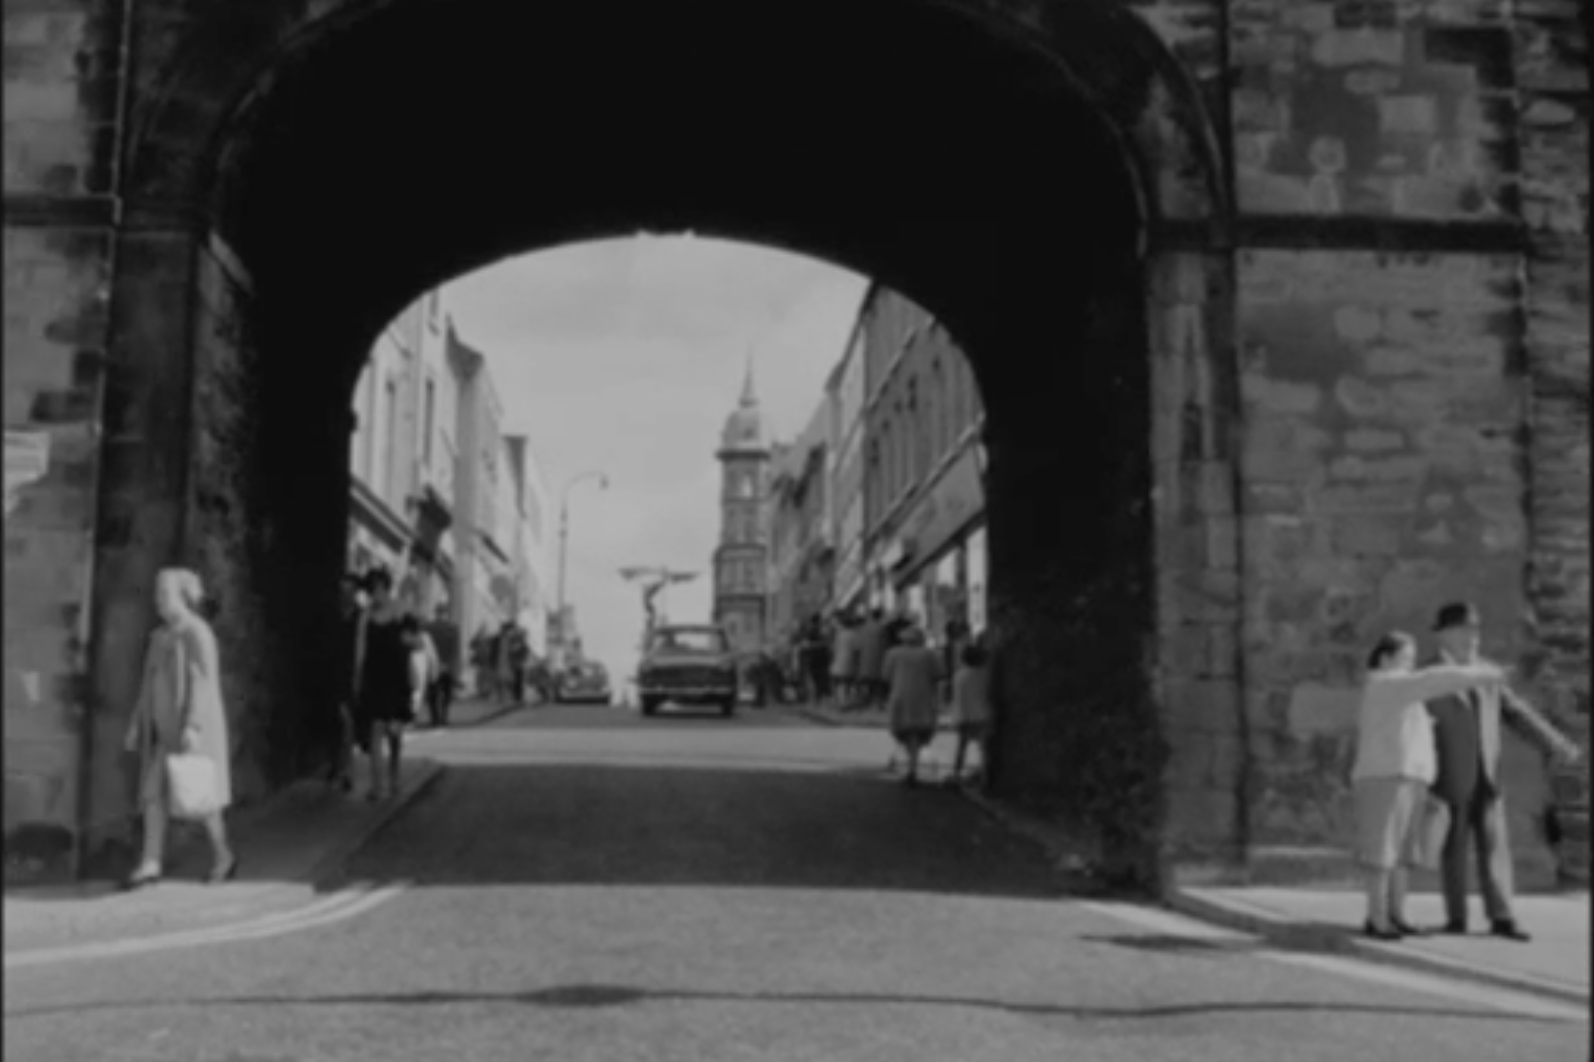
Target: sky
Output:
{"points": [[625, 357]]}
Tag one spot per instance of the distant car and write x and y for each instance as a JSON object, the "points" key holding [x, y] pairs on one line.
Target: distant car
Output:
{"points": [[583, 683], [688, 664]]}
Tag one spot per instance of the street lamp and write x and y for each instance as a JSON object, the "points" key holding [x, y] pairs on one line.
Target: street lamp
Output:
{"points": [[564, 536]]}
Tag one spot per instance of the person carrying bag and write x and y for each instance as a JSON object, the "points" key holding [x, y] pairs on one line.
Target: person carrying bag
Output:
{"points": [[179, 730]]}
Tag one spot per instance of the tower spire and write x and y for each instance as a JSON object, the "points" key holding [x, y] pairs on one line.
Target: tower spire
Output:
{"points": [[749, 398]]}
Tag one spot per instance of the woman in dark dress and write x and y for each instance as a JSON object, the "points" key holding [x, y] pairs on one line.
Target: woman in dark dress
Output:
{"points": [[385, 696]]}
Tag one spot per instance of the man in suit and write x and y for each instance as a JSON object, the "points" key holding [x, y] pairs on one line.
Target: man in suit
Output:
{"points": [[1467, 733]]}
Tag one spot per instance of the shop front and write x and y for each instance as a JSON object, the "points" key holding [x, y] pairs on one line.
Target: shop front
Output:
{"points": [[938, 576]]}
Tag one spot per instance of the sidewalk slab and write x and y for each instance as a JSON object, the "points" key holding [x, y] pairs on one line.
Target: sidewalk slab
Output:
{"points": [[1555, 962], [291, 847], [1329, 919]]}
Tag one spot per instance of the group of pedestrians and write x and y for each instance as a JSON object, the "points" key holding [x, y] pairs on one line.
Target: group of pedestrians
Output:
{"points": [[507, 667], [1427, 782]]}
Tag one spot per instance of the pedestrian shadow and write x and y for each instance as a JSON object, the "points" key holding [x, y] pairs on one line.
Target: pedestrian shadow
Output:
{"points": [[1167, 944], [598, 996]]}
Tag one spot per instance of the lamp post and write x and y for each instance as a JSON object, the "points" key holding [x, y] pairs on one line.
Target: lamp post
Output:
{"points": [[564, 539]]}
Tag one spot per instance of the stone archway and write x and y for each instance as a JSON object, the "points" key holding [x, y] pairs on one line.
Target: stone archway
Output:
{"points": [[1067, 221]]}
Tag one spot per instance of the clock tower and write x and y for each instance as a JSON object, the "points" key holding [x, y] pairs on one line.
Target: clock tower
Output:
{"points": [[741, 559]]}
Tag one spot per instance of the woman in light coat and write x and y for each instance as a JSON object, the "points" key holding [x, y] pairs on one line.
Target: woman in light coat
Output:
{"points": [[180, 710], [1396, 762], [913, 675]]}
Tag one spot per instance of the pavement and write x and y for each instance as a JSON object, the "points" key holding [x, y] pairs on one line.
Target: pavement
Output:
{"points": [[292, 848], [778, 845], [583, 884], [1324, 916]]}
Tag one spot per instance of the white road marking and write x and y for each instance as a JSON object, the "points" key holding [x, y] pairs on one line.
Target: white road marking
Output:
{"points": [[336, 908], [1501, 999]]}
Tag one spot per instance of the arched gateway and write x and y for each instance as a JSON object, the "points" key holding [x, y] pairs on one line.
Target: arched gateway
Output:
{"points": [[272, 181]]}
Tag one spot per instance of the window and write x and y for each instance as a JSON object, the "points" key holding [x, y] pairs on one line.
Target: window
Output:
{"points": [[429, 419], [690, 640], [390, 463]]}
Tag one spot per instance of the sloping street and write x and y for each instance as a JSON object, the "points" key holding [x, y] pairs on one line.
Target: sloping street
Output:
{"points": [[583, 884]]}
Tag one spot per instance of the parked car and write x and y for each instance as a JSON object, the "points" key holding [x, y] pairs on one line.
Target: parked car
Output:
{"points": [[583, 683], [688, 664]]}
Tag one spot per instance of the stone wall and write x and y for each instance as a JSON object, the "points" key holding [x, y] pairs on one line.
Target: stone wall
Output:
{"points": [[1383, 476], [1551, 59], [61, 75], [1199, 669]]}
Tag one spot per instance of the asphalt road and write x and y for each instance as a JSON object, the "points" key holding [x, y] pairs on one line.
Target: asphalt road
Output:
{"points": [[586, 885]]}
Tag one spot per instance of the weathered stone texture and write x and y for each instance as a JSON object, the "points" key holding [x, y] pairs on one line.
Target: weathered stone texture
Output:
{"points": [[1372, 109], [55, 291], [62, 72], [1198, 597], [1382, 400], [1552, 77]]}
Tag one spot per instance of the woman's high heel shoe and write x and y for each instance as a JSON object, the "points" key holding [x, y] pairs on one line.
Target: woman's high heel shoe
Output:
{"points": [[224, 873], [1378, 933], [141, 879]]}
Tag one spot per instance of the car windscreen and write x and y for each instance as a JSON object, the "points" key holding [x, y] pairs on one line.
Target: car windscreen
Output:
{"points": [[689, 640]]}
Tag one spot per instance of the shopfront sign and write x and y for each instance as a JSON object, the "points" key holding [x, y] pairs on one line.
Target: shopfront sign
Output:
{"points": [[955, 499]]}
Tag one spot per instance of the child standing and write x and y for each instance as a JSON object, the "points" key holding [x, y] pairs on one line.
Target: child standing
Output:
{"points": [[971, 705]]}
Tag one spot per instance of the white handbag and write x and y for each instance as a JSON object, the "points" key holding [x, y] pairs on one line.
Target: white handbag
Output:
{"points": [[191, 785]]}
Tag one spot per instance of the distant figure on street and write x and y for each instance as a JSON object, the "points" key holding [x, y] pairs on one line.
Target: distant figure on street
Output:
{"points": [[872, 659], [912, 674], [180, 710], [425, 666], [385, 698], [971, 704], [1395, 764], [445, 641], [814, 653], [484, 661], [843, 660], [1467, 726]]}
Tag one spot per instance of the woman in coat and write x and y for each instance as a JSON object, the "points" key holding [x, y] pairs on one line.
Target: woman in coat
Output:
{"points": [[180, 710], [1395, 764], [912, 675]]}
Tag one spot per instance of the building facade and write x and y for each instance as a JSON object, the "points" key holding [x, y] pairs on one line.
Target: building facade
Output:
{"points": [[382, 465], [923, 534], [801, 555], [741, 559], [483, 563], [846, 474]]}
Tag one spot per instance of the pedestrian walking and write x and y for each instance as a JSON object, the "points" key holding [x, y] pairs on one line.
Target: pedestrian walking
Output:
{"points": [[425, 665], [816, 660], [1467, 726], [385, 698], [971, 705], [180, 711], [1396, 761], [871, 659], [844, 660], [912, 673], [484, 661], [444, 634]]}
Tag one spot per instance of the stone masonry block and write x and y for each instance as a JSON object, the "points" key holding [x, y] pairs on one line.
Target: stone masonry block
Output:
{"points": [[1204, 706]]}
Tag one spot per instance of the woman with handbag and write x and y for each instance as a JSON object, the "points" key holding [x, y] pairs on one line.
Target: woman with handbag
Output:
{"points": [[179, 730], [1396, 761]]}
